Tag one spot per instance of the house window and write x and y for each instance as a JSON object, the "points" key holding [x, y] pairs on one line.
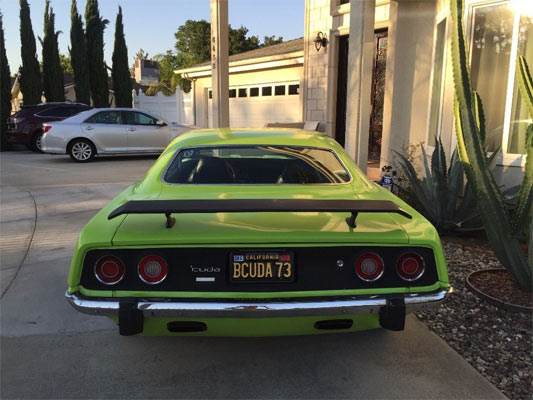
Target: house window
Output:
{"points": [[491, 40], [233, 93], [500, 31], [294, 89], [279, 90], [210, 94], [437, 83], [243, 93], [266, 91], [254, 92]]}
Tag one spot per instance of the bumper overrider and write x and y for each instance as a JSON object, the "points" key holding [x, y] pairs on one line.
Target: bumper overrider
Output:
{"points": [[391, 309]]}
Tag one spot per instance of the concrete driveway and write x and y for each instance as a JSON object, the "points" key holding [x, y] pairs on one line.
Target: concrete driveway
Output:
{"points": [[48, 350]]}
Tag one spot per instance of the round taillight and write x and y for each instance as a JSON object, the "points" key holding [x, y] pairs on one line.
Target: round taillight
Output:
{"points": [[410, 266], [109, 270], [152, 269], [369, 267]]}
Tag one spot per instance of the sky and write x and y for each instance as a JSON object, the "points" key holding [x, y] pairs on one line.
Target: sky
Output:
{"points": [[151, 24]]}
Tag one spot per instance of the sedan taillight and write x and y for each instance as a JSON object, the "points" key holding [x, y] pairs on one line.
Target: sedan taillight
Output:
{"points": [[46, 128], [152, 269], [410, 266], [109, 270]]}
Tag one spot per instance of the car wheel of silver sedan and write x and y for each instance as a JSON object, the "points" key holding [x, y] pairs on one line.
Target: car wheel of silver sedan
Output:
{"points": [[81, 150]]}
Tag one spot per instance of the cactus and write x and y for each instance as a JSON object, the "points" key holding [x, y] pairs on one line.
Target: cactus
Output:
{"points": [[470, 128], [525, 198]]}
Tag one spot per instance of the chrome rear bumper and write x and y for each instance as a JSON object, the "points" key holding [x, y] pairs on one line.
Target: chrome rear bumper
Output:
{"points": [[294, 307]]}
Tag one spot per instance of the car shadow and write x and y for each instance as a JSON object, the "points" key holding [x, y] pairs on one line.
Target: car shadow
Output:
{"points": [[65, 159]]}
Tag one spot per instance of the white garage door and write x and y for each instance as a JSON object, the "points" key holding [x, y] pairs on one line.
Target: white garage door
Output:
{"points": [[255, 105]]}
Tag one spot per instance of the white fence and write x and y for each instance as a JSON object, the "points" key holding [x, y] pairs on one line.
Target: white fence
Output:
{"points": [[174, 108]]}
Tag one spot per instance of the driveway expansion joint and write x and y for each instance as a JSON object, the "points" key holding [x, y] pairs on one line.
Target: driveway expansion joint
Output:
{"points": [[27, 249]]}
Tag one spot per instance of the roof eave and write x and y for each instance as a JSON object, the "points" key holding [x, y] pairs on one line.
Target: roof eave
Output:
{"points": [[205, 70]]}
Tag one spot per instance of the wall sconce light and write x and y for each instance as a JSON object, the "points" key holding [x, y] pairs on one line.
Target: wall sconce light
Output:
{"points": [[321, 40]]}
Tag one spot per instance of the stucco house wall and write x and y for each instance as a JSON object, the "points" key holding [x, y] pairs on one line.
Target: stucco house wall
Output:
{"points": [[418, 96], [320, 67]]}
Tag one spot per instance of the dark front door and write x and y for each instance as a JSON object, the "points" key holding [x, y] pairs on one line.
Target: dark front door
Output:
{"points": [[378, 94], [342, 83]]}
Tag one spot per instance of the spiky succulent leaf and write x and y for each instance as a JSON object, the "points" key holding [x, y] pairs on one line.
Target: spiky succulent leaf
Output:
{"points": [[455, 184], [525, 83], [480, 117], [417, 195], [430, 186], [522, 213], [438, 158], [438, 195]]}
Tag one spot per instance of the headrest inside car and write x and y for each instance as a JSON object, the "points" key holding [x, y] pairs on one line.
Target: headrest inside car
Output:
{"points": [[212, 170]]}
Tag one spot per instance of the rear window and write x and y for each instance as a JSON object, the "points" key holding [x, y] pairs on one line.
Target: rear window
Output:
{"points": [[267, 165], [60, 112]]}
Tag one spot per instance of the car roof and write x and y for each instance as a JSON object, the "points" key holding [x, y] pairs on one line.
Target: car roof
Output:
{"points": [[120, 109], [57, 104], [265, 136]]}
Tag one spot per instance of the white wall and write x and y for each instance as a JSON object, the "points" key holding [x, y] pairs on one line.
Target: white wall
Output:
{"points": [[175, 108]]}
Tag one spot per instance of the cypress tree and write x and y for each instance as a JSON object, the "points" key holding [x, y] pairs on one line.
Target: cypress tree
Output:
{"points": [[120, 71], [53, 80], [5, 88], [78, 56], [30, 75], [94, 32]]}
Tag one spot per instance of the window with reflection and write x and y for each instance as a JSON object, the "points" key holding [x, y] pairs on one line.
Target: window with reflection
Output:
{"points": [[437, 83], [492, 34]]}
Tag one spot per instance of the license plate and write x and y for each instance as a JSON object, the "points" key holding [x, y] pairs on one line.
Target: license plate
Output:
{"points": [[262, 266]]}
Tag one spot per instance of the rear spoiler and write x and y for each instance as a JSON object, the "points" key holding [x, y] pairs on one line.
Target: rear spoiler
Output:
{"points": [[168, 207]]}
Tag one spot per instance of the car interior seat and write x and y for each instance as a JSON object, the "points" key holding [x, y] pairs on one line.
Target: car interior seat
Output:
{"points": [[212, 170]]}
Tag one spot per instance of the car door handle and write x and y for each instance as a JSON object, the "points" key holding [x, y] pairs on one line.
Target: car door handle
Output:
{"points": [[131, 129], [89, 128]]}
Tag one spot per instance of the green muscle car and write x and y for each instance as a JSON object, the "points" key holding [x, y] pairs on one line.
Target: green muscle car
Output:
{"points": [[256, 233]]}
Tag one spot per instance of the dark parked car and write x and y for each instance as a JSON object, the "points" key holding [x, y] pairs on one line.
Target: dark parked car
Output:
{"points": [[25, 127]]}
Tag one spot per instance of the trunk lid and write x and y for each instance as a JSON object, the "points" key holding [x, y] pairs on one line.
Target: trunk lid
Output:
{"points": [[257, 228]]}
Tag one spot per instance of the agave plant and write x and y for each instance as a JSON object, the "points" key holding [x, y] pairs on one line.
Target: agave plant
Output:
{"points": [[441, 195], [500, 225]]}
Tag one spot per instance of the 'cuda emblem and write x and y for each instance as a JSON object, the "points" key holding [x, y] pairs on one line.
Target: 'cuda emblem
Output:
{"points": [[205, 269]]}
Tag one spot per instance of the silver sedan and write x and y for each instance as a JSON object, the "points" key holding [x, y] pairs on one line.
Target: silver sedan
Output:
{"points": [[108, 131]]}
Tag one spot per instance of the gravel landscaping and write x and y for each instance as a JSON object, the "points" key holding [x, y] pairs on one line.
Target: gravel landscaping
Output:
{"points": [[496, 342]]}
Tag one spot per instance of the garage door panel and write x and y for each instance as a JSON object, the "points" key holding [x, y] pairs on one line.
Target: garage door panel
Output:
{"points": [[256, 111]]}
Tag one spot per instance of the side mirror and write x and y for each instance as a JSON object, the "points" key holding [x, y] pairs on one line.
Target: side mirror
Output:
{"points": [[161, 123]]}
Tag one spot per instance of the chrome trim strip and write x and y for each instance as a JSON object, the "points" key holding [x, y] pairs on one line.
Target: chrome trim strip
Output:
{"points": [[293, 308]]}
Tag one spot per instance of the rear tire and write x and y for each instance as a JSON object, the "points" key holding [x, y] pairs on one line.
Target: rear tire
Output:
{"points": [[81, 150], [36, 142]]}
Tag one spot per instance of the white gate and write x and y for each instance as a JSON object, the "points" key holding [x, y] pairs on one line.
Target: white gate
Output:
{"points": [[174, 108]]}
